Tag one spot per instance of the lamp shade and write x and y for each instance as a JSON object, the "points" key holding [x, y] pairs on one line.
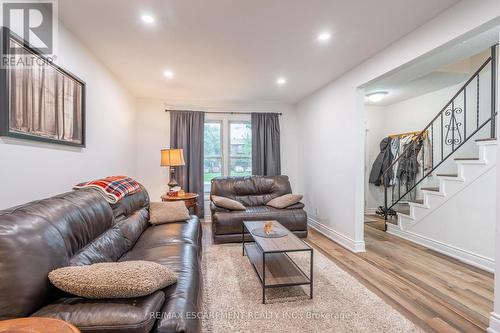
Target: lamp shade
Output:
{"points": [[172, 157]]}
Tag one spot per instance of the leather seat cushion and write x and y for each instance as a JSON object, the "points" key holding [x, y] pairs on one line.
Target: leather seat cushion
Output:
{"points": [[131, 315], [183, 298], [165, 234], [231, 222]]}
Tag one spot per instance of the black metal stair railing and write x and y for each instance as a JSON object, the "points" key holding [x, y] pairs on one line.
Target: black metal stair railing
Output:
{"points": [[449, 130]]}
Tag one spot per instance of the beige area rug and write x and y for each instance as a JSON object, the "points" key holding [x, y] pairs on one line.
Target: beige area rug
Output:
{"points": [[233, 299]]}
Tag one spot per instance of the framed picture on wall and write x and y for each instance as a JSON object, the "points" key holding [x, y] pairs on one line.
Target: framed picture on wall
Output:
{"points": [[39, 100]]}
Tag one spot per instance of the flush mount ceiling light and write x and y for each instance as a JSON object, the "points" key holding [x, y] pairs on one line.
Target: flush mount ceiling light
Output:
{"points": [[280, 81], [148, 19], [168, 74], [324, 37], [376, 96]]}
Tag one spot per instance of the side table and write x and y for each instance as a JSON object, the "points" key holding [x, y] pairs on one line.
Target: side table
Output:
{"points": [[37, 325], [190, 200]]}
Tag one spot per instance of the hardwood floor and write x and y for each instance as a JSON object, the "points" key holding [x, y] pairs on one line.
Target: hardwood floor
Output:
{"points": [[438, 293]]}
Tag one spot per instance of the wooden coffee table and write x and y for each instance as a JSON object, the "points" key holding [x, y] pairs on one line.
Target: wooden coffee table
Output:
{"points": [[270, 260], [36, 325]]}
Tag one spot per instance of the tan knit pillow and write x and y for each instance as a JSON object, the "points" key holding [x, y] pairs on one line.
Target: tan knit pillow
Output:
{"points": [[167, 212], [285, 201], [113, 279], [227, 203]]}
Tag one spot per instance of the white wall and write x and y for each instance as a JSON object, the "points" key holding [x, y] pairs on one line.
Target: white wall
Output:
{"points": [[331, 154], [153, 134], [30, 170]]}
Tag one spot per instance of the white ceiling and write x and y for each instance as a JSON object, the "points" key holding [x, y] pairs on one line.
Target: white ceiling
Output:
{"points": [[451, 65], [227, 50]]}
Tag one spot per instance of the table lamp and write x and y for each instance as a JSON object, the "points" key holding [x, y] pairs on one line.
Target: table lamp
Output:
{"points": [[172, 158]]}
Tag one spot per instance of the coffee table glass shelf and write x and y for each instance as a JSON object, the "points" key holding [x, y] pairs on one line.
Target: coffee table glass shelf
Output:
{"points": [[270, 260]]}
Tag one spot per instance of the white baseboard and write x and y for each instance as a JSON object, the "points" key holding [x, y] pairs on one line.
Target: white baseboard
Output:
{"points": [[494, 323], [347, 242], [465, 256]]}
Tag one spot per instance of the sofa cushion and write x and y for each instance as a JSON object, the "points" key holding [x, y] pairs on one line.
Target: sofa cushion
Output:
{"points": [[113, 243], [113, 279], [227, 203], [131, 315], [41, 236], [108, 247], [183, 299], [130, 204], [285, 201], [168, 212], [251, 191], [231, 222], [165, 234]]}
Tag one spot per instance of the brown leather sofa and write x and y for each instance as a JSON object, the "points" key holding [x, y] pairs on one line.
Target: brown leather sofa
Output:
{"points": [[80, 228], [253, 192]]}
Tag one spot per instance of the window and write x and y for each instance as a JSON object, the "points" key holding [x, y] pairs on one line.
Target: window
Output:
{"points": [[240, 134], [228, 147], [212, 164]]}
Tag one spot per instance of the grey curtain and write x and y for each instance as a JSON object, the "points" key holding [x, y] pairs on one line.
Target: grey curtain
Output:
{"points": [[186, 132], [266, 156]]}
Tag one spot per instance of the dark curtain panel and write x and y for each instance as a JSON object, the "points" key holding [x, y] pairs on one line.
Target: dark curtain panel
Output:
{"points": [[266, 159], [186, 132]]}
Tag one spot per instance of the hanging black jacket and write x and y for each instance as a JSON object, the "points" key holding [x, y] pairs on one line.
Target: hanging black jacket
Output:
{"points": [[382, 162]]}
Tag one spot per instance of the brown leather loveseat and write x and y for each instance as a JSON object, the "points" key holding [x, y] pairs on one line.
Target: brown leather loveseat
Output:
{"points": [[80, 228], [253, 192]]}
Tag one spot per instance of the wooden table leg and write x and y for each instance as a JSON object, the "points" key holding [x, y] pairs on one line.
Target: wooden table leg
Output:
{"points": [[196, 208]]}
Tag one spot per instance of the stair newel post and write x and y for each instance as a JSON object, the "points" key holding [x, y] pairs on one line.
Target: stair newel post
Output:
{"points": [[385, 206], [493, 90]]}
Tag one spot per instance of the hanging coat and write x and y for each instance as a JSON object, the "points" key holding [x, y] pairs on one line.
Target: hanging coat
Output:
{"points": [[382, 163]]}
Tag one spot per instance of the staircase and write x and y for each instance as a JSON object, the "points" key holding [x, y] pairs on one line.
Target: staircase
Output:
{"points": [[463, 153], [421, 220]]}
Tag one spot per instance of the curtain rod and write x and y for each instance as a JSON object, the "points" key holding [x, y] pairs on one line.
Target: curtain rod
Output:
{"points": [[167, 110]]}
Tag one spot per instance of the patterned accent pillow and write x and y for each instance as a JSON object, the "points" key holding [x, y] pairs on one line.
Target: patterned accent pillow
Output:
{"points": [[285, 201], [113, 279]]}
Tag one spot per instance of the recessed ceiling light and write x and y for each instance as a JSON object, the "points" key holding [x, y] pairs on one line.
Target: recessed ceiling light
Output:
{"points": [[324, 36], [281, 81], [148, 19], [376, 96], [168, 74]]}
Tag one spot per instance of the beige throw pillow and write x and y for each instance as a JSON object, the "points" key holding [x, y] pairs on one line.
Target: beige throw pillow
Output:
{"points": [[285, 201], [167, 212], [227, 203], [113, 279]]}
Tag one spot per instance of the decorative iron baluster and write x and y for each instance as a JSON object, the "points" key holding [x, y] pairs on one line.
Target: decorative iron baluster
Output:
{"points": [[453, 127]]}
